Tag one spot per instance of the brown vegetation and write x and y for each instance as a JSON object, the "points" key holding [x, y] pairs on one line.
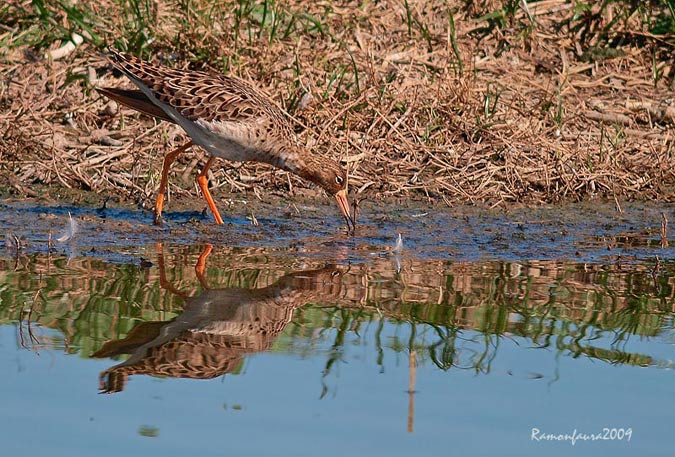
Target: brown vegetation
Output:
{"points": [[471, 101]]}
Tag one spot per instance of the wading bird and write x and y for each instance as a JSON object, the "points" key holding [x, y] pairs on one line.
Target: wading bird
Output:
{"points": [[227, 117]]}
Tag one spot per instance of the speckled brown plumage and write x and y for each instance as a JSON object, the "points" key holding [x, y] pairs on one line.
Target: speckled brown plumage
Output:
{"points": [[229, 118], [201, 95], [215, 330]]}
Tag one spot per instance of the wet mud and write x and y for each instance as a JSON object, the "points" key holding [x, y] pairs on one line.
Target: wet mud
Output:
{"points": [[588, 232]]}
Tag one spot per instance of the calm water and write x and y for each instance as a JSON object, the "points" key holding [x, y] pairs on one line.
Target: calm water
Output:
{"points": [[293, 339]]}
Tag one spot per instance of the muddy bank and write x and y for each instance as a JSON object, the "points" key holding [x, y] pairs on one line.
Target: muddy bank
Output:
{"points": [[459, 101], [589, 232]]}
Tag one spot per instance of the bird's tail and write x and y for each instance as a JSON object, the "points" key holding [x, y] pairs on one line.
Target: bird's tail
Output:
{"points": [[134, 99]]}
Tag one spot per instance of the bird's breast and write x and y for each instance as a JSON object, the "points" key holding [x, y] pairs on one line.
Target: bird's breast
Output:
{"points": [[228, 140]]}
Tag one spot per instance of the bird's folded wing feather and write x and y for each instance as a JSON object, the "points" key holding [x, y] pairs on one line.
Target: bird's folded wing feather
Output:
{"points": [[195, 95]]}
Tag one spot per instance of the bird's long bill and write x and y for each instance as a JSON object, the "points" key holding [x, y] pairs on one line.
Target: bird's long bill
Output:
{"points": [[343, 203]]}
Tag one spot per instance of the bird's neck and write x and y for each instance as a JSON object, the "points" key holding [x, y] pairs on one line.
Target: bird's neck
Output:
{"points": [[293, 159]]}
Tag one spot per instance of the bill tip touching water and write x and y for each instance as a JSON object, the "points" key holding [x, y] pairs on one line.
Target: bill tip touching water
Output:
{"points": [[230, 119]]}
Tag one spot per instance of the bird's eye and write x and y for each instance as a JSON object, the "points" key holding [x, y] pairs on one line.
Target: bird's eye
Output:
{"points": [[338, 179]]}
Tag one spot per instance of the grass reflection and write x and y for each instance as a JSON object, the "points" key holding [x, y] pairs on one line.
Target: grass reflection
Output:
{"points": [[451, 314]]}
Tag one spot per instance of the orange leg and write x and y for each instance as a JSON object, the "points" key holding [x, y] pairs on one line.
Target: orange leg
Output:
{"points": [[200, 268], [203, 182], [163, 281], [168, 160]]}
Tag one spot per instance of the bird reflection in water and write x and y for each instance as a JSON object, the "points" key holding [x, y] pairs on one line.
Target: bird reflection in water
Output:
{"points": [[216, 328]]}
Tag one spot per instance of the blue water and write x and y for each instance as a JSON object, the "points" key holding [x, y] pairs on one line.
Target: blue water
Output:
{"points": [[508, 341], [274, 407]]}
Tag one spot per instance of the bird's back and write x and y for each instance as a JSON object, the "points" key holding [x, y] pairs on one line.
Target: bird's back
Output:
{"points": [[227, 116]]}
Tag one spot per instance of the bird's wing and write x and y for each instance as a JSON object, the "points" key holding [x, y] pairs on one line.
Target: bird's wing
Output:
{"points": [[195, 95]]}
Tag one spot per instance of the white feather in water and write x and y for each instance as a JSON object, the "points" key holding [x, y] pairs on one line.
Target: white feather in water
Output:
{"points": [[398, 247], [71, 230], [396, 251]]}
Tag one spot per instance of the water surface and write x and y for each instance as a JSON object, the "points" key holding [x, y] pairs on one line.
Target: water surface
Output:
{"points": [[294, 338]]}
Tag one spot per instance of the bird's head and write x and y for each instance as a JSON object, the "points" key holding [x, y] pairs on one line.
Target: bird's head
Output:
{"points": [[332, 178]]}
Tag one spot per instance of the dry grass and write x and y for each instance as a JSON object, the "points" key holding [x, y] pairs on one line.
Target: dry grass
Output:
{"points": [[453, 101]]}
